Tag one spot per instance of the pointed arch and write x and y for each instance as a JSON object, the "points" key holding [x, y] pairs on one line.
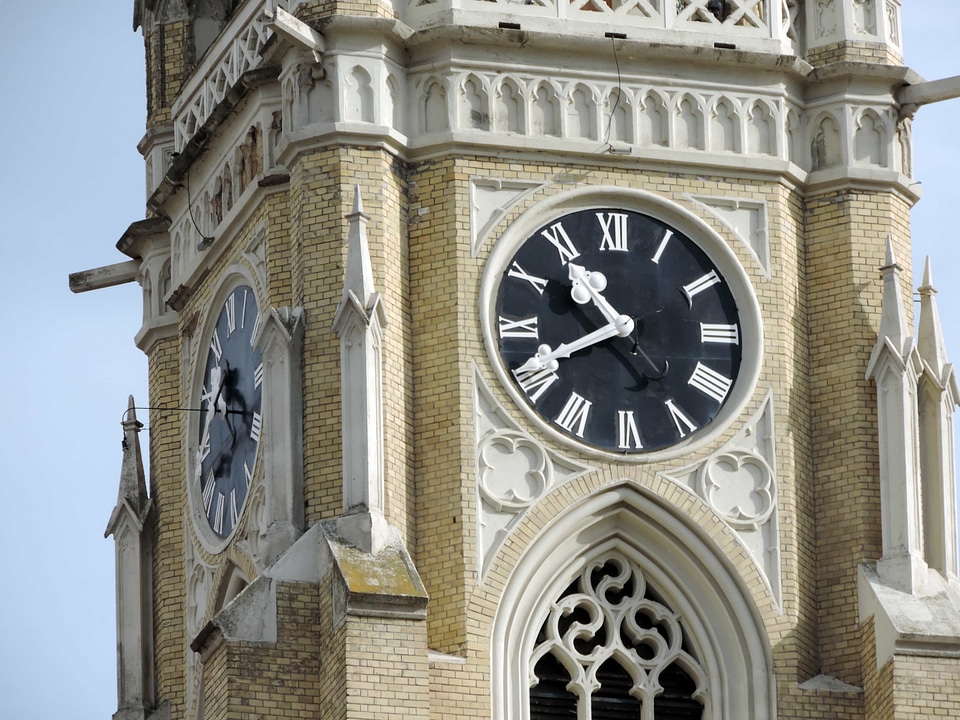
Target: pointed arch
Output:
{"points": [[725, 126], [761, 133], [688, 127], [544, 111], [826, 145], [725, 652], [359, 105], [433, 106], [474, 103], [508, 109], [653, 120], [870, 139]]}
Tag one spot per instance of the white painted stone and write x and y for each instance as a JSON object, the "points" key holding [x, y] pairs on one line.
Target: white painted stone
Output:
{"points": [[938, 401], [490, 200], [277, 518], [739, 482], [746, 218], [894, 366], [133, 551], [514, 471]]}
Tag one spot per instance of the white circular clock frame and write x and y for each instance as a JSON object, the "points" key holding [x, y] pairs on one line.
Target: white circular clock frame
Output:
{"points": [[666, 211]]}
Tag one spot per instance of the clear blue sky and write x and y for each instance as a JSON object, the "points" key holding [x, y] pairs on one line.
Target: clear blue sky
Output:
{"points": [[72, 85]]}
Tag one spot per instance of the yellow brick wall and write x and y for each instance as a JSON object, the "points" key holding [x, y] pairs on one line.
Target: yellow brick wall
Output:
{"points": [[926, 687], [855, 51], [166, 491], [386, 668], [322, 194], [169, 60], [846, 237]]}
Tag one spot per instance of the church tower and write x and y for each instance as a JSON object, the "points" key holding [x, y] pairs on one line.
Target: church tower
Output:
{"points": [[536, 360]]}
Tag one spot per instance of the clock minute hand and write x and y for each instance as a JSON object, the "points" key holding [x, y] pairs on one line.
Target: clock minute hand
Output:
{"points": [[545, 357]]}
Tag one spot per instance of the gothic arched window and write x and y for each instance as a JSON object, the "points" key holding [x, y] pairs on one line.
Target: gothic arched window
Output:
{"points": [[611, 648]]}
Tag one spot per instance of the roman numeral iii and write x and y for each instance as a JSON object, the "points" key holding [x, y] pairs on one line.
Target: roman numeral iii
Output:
{"points": [[719, 333]]}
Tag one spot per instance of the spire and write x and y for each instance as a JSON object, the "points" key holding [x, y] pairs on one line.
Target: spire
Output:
{"points": [[929, 333], [358, 277], [893, 324], [133, 481]]}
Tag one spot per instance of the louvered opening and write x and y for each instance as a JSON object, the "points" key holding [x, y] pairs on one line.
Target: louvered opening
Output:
{"points": [[550, 699], [612, 701], [676, 701]]}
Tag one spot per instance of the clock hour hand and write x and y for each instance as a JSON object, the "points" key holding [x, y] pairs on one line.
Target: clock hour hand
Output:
{"points": [[546, 357], [587, 287]]}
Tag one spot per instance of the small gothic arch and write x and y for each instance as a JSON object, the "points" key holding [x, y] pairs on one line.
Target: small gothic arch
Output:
{"points": [[545, 111], [474, 103], [232, 583], [653, 120], [794, 134], [826, 146], [581, 112], [761, 138], [359, 105], [508, 109], [688, 128], [618, 114], [393, 105], [164, 287], [713, 652], [724, 126], [433, 105], [870, 139]]}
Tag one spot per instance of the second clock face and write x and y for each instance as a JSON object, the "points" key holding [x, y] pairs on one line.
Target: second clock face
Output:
{"points": [[230, 413], [618, 330]]}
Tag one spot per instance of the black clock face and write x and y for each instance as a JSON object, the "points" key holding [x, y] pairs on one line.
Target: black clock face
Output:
{"points": [[230, 413], [618, 330]]}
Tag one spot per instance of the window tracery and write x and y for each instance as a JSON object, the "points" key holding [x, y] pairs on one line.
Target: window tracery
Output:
{"points": [[610, 647]]}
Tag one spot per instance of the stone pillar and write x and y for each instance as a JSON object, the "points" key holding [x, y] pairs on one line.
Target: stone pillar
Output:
{"points": [[359, 323]]}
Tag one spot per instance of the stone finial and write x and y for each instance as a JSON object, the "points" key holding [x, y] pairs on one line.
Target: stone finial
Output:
{"points": [[893, 324], [358, 277], [930, 343], [133, 481]]}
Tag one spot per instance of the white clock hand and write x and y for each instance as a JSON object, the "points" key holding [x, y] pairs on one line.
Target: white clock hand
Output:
{"points": [[545, 357], [587, 287]]}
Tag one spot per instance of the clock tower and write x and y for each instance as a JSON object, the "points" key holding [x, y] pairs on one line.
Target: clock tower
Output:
{"points": [[528, 361]]}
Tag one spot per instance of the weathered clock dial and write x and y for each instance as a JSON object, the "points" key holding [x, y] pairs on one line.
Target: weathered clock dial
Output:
{"points": [[230, 410]]}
